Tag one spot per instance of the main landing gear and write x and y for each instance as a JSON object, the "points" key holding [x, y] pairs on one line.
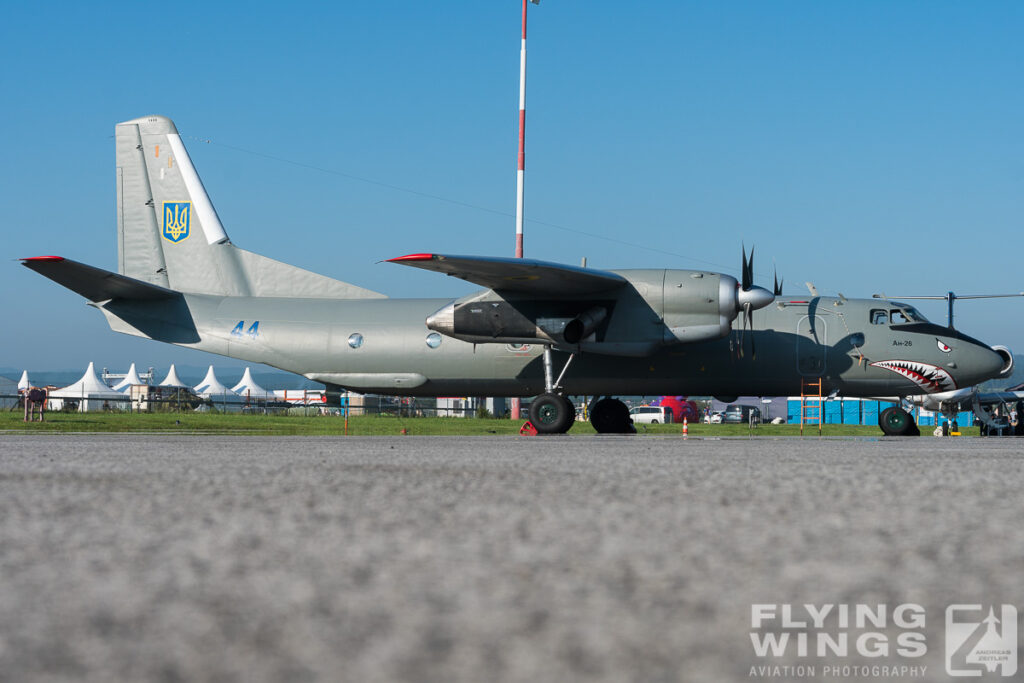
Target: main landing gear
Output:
{"points": [[553, 413], [895, 421], [611, 416]]}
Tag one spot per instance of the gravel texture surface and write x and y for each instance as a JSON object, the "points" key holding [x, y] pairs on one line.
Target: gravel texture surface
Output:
{"points": [[173, 558]]}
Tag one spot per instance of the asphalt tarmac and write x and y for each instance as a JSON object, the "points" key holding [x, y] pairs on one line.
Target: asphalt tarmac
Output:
{"points": [[198, 558]]}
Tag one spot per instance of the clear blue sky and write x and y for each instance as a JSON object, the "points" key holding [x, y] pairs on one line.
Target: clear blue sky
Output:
{"points": [[865, 146]]}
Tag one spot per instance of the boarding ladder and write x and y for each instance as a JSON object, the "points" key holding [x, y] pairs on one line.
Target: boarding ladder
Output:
{"points": [[812, 404]]}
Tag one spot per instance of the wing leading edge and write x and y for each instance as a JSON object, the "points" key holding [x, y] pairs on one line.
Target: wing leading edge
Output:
{"points": [[525, 276]]}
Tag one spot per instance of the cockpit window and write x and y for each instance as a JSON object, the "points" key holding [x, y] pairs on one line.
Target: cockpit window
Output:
{"points": [[907, 314], [896, 316]]}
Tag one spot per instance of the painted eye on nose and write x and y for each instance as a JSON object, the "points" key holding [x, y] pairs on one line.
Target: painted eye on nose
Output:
{"points": [[943, 347]]}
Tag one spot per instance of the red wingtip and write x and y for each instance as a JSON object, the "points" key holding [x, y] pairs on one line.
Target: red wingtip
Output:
{"points": [[43, 258], [413, 257]]}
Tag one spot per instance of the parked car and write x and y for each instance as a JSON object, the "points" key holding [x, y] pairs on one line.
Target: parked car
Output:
{"points": [[741, 414], [651, 415], [714, 418]]}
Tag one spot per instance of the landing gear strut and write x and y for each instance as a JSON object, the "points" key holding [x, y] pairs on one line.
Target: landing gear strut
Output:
{"points": [[897, 422], [552, 413]]}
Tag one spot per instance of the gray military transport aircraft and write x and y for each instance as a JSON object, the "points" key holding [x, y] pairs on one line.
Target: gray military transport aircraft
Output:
{"points": [[536, 329]]}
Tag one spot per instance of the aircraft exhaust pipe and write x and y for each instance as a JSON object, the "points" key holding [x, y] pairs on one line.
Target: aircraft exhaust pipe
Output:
{"points": [[583, 325], [1007, 356]]}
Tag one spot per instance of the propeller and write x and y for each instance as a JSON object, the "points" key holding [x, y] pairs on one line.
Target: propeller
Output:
{"points": [[750, 297], [777, 287]]}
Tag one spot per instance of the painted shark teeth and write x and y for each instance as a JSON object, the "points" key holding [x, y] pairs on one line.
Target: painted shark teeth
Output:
{"points": [[930, 378]]}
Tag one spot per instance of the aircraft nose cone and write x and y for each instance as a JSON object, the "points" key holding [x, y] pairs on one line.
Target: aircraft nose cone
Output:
{"points": [[443, 321], [757, 297]]}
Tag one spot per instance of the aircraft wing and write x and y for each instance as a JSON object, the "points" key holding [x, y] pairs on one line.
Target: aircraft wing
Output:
{"points": [[95, 284], [525, 276]]}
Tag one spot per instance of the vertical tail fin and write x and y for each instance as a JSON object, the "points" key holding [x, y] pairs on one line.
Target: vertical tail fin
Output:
{"points": [[169, 234]]}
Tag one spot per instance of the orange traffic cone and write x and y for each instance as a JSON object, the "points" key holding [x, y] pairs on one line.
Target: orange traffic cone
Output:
{"points": [[686, 427]]}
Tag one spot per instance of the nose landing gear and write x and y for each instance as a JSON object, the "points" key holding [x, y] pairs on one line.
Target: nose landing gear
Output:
{"points": [[897, 422]]}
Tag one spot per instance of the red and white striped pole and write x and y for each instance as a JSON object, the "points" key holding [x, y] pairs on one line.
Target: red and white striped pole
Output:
{"points": [[521, 168]]}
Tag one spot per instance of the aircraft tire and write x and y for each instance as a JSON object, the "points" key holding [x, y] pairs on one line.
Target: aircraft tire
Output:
{"points": [[611, 416], [897, 422], [571, 408], [552, 414]]}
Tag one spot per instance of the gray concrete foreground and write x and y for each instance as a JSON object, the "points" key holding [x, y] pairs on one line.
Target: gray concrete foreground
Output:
{"points": [[172, 558]]}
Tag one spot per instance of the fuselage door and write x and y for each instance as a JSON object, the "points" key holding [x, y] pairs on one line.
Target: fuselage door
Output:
{"points": [[812, 344]]}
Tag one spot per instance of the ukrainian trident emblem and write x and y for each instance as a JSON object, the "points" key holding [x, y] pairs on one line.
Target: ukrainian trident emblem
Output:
{"points": [[176, 215]]}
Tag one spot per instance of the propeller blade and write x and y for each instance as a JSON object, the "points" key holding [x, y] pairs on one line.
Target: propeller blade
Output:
{"points": [[777, 287], [748, 269], [748, 321]]}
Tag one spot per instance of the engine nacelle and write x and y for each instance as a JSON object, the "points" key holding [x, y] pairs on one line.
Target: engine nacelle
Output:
{"points": [[697, 306], [701, 306], [684, 306]]}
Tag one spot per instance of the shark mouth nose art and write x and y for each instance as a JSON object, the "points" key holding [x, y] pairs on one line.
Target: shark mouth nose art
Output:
{"points": [[931, 378]]}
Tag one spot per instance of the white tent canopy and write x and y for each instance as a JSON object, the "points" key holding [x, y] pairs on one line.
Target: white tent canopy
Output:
{"points": [[212, 388], [131, 378], [89, 391], [248, 388], [172, 379], [23, 383]]}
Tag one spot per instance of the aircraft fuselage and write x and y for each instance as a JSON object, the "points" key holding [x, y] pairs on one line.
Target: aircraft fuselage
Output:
{"points": [[381, 346]]}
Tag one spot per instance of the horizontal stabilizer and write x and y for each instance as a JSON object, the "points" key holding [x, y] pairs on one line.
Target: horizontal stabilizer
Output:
{"points": [[95, 284], [519, 275]]}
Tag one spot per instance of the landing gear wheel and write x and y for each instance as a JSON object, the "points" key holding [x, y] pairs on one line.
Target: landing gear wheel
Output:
{"points": [[552, 414], [897, 422], [611, 416], [570, 408]]}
